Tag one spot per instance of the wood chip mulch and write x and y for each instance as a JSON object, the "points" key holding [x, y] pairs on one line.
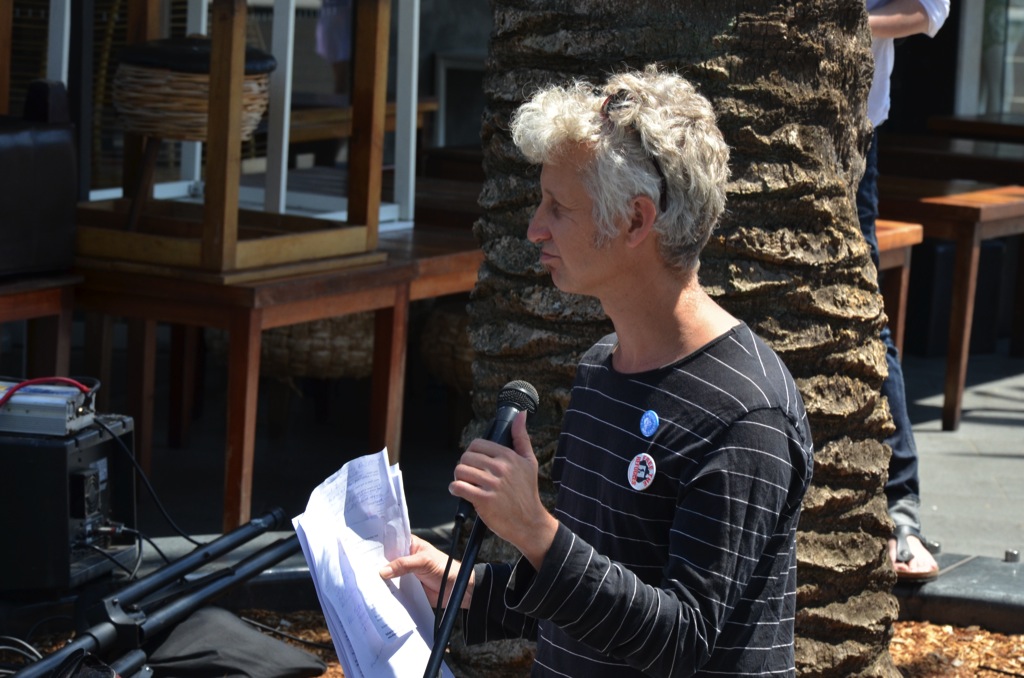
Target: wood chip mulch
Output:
{"points": [[919, 649]]}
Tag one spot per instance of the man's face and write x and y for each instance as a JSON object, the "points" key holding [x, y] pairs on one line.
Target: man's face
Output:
{"points": [[564, 227]]}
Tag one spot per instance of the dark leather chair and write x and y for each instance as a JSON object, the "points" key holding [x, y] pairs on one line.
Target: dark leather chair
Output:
{"points": [[38, 185]]}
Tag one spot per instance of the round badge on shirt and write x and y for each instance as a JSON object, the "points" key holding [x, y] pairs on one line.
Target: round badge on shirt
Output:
{"points": [[649, 423], [641, 471]]}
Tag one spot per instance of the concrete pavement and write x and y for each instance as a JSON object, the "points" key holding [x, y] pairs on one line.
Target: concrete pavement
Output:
{"points": [[972, 493], [972, 479]]}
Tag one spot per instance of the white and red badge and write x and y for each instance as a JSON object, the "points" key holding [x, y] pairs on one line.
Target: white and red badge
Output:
{"points": [[641, 471]]}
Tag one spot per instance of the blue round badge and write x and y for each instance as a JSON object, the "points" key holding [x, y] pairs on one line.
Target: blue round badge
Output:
{"points": [[649, 423]]}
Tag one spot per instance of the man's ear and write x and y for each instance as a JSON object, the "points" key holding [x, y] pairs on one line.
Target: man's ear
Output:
{"points": [[641, 222]]}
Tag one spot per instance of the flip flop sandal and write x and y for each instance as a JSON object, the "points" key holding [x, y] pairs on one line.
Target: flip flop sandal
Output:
{"points": [[904, 554]]}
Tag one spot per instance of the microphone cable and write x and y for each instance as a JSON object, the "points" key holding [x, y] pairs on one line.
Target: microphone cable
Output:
{"points": [[460, 520]]}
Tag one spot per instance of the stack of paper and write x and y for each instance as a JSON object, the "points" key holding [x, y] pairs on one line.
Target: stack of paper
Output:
{"points": [[354, 523]]}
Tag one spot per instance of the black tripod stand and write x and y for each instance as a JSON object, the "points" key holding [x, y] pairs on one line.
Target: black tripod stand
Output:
{"points": [[126, 619]]}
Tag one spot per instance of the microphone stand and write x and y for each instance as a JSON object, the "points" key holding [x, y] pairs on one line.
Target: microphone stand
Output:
{"points": [[444, 631]]}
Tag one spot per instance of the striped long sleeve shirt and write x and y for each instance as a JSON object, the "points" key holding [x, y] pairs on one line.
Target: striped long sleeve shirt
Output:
{"points": [[678, 497]]}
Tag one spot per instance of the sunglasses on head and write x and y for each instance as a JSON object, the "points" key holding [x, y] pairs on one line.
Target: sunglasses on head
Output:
{"points": [[620, 100]]}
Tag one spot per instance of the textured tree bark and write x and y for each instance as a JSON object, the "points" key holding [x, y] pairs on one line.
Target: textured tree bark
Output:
{"points": [[789, 82]]}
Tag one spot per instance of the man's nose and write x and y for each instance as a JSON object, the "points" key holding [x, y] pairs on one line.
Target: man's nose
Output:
{"points": [[536, 232]]}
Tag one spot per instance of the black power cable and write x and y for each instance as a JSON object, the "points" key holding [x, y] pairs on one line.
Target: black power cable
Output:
{"points": [[145, 481], [278, 632]]}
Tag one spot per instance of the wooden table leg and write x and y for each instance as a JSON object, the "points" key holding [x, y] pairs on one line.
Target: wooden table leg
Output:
{"points": [[144, 187], [64, 322], [965, 280], [243, 387], [141, 361], [894, 287], [49, 340], [391, 330]]}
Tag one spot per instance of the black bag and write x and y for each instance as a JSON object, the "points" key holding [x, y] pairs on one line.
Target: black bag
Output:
{"points": [[214, 643], [82, 664]]}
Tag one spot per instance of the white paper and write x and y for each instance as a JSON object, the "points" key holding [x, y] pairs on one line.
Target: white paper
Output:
{"points": [[355, 522]]}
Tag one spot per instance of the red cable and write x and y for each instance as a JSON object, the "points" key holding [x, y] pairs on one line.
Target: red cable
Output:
{"points": [[42, 380]]}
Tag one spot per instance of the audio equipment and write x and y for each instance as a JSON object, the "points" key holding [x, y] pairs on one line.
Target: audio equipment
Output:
{"points": [[67, 498]]}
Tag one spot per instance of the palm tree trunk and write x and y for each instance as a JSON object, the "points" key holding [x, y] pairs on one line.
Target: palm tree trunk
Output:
{"points": [[789, 81]]}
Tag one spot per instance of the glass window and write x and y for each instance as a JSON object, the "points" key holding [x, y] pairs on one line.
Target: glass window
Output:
{"points": [[1001, 87]]}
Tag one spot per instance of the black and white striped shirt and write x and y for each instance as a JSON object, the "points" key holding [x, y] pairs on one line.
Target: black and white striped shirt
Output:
{"points": [[692, 574]]}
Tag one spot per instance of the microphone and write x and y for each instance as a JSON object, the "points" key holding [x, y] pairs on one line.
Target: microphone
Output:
{"points": [[513, 398]]}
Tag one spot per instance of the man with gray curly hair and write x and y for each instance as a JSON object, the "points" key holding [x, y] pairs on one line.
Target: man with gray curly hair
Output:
{"points": [[685, 451], [650, 121]]}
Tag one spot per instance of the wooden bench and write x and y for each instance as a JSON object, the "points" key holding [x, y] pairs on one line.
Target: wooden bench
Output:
{"points": [[935, 157], [895, 241], [320, 117], [992, 126], [966, 213], [448, 185], [45, 302], [327, 122]]}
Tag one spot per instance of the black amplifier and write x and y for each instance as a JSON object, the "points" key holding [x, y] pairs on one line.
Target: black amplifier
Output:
{"points": [[66, 499]]}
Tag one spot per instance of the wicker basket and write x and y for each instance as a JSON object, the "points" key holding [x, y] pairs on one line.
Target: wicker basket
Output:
{"points": [[334, 348], [342, 347], [162, 88], [445, 347], [173, 105]]}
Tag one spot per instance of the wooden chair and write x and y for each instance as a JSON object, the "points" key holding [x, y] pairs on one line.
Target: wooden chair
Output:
{"points": [[217, 240], [46, 302]]}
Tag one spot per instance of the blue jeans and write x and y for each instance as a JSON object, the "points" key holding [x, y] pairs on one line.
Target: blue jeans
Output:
{"points": [[902, 488]]}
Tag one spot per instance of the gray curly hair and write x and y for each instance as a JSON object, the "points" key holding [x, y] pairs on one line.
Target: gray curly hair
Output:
{"points": [[651, 134]]}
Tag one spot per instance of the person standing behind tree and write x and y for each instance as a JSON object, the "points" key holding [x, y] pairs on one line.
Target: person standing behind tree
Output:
{"points": [[334, 42], [908, 549]]}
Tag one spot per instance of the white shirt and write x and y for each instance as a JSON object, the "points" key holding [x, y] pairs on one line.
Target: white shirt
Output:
{"points": [[884, 52]]}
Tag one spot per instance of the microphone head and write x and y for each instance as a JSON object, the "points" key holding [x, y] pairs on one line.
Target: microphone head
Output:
{"points": [[519, 394]]}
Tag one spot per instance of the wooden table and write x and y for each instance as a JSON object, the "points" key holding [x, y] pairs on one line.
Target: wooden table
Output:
{"points": [[421, 263], [946, 158], [991, 126], [966, 213], [46, 302]]}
